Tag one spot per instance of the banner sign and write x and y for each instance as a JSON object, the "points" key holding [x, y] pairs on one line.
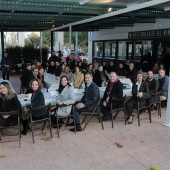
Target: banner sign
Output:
{"points": [[149, 34]]}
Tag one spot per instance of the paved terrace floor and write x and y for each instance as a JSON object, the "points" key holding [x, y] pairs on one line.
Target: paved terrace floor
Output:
{"points": [[94, 148]]}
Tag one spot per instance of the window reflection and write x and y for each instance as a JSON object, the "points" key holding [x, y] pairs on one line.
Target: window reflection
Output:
{"points": [[98, 49]]}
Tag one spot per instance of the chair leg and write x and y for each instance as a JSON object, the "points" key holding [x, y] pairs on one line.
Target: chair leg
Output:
{"points": [[159, 109], [112, 119], [100, 119], [74, 119], [86, 123], [50, 128], [43, 125], [149, 110], [116, 114], [57, 126], [32, 128], [138, 118], [19, 132], [83, 121], [124, 115], [68, 119]]}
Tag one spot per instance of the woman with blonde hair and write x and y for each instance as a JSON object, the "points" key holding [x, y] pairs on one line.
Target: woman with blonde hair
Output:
{"points": [[8, 102], [78, 78]]}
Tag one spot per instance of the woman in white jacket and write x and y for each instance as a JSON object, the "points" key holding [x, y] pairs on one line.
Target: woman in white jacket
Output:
{"points": [[65, 96]]}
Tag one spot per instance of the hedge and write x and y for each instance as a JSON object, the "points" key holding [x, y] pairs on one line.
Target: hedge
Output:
{"points": [[27, 54]]}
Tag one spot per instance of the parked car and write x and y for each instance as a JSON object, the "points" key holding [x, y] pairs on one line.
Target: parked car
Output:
{"points": [[81, 56]]}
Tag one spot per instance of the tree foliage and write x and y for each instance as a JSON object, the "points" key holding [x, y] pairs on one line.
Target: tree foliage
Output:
{"points": [[33, 41], [10, 39], [82, 40]]}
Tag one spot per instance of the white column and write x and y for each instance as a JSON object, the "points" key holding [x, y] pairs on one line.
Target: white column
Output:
{"points": [[167, 123], [18, 43], [70, 32], [41, 47], [59, 41], [90, 48], [0, 48]]}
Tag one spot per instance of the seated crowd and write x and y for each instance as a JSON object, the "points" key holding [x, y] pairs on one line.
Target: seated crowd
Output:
{"points": [[82, 75]]}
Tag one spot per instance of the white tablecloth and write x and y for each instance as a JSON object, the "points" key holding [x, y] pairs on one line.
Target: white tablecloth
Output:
{"points": [[52, 99]]}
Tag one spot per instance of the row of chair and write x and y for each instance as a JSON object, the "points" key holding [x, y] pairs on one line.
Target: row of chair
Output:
{"points": [[87, 115], [147, 107]]}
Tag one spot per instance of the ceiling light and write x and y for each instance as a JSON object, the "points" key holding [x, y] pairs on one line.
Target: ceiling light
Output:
{"points": [[84, 2], [167, 8], [110, 10]]}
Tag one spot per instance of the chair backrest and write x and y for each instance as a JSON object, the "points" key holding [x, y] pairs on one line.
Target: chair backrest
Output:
{"points": [[40, 108], [53, 88], [146, 101], [98, 102], [16, 112], [122, 102]]}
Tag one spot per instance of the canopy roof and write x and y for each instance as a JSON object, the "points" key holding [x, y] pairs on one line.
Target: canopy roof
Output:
{"points": [[41, 15]]}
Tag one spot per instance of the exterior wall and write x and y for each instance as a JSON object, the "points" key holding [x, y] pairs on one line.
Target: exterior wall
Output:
{"points": [[119, 33], [122, 32]]}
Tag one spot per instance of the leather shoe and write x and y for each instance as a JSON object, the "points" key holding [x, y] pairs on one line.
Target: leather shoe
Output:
{"points": [[77, 129], [70, 124], [106, 118]]}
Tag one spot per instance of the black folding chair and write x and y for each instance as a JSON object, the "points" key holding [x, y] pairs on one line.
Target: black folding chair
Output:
{"points": [[158, 103], [120, 107], [91, 114], [68, 117], [141, 109], [40, 108], [18, 126]]}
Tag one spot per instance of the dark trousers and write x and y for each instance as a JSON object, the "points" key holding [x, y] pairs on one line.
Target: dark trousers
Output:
{"points": [[105, 110], [131, 103], [5, 71], [77, 111]]}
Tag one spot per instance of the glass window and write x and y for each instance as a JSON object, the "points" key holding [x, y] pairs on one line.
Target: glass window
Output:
{"points": [[122, 47], [110, 49], [141, 48], [138, 50], [98, 49], [113, 52], [107, 49]]}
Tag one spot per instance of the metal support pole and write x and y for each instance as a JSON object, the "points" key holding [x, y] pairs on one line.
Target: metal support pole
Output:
{"points": [[70, 32], [2, 44], [52, 39], [167, 123], [41, 47], [76, 45], [18, 43]]}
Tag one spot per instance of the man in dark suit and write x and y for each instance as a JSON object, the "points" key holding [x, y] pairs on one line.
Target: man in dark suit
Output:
{"points": [[88, 101], [51, 68], [114, 89], [131, 74], [153, 85], [26, 76], [163, 84], [6, 66]]}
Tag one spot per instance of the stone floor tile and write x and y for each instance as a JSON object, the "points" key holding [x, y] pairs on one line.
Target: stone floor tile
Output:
{"points": [[93, 148]]}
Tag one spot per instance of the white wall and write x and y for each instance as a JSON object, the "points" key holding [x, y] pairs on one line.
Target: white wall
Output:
{"points": [[122, 32]]}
